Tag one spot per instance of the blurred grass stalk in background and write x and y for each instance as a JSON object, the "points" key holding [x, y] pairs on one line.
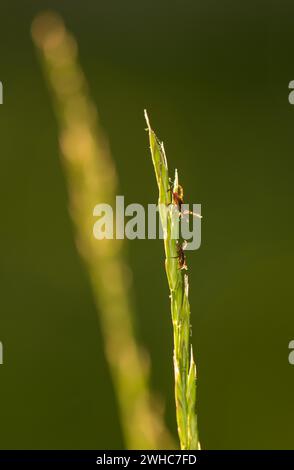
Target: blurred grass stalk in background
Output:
{"points": [[184, 365], [92, 179]]}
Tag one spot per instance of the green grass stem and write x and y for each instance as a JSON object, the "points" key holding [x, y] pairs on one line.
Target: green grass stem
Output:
{"points": [[92, 179], [184, 365]]}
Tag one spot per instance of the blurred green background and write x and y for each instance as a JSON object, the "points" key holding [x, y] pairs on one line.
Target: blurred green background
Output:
{"points": [[214, 77]]}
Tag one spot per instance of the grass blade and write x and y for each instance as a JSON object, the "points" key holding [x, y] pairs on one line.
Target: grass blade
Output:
{"points": [[184, 365], [91, 179]]}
